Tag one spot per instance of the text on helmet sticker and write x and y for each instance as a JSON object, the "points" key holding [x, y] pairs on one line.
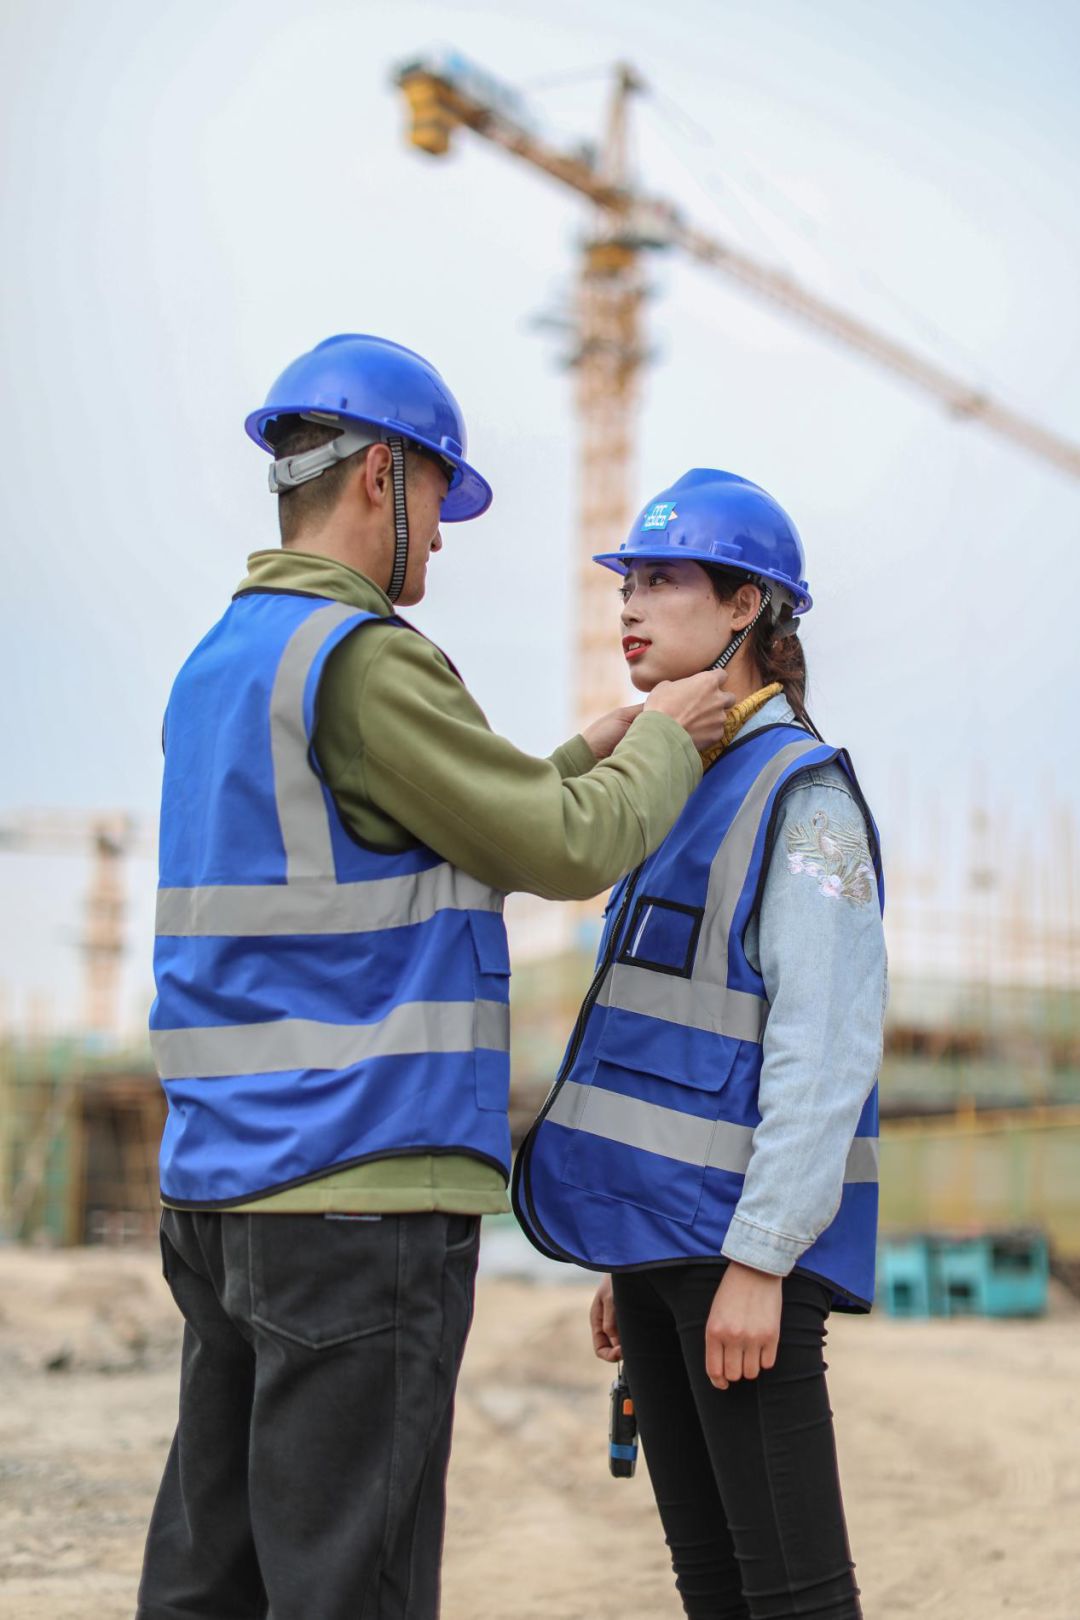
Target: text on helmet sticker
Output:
{"points": [[660, 515]]}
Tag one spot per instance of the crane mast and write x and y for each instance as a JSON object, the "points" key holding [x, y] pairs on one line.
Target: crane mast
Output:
{"points": [[446, 93], [606, 326], [108, 837], [608, 357]]}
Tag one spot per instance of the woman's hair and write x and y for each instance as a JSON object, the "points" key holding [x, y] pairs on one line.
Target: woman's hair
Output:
{"points": [[778, 657]]}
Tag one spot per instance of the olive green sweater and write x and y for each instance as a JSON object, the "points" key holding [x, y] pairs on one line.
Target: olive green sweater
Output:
{"points": [[408, 755]]}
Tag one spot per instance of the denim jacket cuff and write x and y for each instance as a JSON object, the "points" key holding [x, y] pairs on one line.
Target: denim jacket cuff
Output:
{"points": [[764, 1250]]}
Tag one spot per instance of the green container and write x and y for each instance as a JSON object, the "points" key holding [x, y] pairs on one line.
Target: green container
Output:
{"points": [[994, 1274], [905, 1276]]}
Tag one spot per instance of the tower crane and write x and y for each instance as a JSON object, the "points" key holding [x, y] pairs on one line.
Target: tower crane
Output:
{"points": [[108, 836], [445, 93]]}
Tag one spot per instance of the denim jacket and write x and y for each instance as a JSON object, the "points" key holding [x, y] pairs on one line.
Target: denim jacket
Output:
{"points": [[821, 953]]}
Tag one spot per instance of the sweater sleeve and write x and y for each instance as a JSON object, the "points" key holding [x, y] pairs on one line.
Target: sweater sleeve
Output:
{"points": [[821, 951], [399, 731], [573, 758]]}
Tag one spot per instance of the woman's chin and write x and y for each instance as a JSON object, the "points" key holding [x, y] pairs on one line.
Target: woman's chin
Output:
{"points": [[643, 681], [646, 679]]}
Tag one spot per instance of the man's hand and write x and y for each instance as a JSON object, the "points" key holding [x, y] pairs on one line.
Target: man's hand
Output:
{"points": [[605, 1329], [743, 1329], [699, 703], [607, 732]]}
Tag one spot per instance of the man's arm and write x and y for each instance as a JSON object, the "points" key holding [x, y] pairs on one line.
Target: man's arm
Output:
{"points": [[573, 758], [398, 732]]}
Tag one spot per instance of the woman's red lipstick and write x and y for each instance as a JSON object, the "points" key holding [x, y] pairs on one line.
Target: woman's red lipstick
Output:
{"points": [[634, 646]]}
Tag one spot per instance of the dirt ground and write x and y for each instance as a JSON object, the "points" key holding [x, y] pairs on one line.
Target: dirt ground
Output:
{"points": [[959, 1443]]}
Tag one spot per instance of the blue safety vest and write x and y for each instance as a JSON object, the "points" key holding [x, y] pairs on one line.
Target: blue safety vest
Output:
{"points": [[639, 1154], [319, 1003]]}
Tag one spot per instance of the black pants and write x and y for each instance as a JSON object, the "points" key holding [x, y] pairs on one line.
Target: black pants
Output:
{"points": [[306, 1480], [745, 1478]]}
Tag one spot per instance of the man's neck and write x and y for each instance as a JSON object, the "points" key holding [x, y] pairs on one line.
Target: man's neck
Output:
{"points": [[357, 552]]}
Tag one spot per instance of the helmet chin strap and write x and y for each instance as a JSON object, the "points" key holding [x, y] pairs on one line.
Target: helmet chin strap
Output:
{"points": [[401, 520], [736, 641]]}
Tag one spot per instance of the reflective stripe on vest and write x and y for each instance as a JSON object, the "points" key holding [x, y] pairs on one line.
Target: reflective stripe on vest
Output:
{"points": [[675, 1135], [321, 905], [303, 1043], [301, 808], [335, 930]]}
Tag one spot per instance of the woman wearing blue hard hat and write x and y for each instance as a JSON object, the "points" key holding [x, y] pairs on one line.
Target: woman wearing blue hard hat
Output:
{"points": [[711, 1139]]}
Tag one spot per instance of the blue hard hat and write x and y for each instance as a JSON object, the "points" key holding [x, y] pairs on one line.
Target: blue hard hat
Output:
{"points": [[357, 378], [715, 517]]}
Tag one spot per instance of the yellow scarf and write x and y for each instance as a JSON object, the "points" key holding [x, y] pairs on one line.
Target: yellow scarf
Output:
{"points": [[737, 717]]}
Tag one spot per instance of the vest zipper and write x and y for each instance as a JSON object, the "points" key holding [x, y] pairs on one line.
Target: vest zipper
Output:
{"points": [[592, 992], [521, 1168]]}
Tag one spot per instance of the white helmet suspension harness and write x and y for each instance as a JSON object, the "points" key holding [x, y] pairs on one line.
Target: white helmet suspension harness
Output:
{"points": [[290, 471]]}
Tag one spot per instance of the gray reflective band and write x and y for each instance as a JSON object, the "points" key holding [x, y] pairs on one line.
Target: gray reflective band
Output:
{"points": [[862, 1159], [304, 1043], [731, 863], [321, 906], [717, 1144], [691, 1002], [301, 808]]}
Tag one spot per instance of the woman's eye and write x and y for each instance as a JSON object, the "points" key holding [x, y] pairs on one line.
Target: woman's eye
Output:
{"points": [[658, 579]]}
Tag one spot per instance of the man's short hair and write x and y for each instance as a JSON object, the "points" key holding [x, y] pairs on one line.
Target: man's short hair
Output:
{"points": [[311, 502]]}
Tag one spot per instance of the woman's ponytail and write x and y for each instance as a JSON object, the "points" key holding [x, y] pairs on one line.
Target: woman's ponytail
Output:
{"points": [[779, 655], [775, 646]]}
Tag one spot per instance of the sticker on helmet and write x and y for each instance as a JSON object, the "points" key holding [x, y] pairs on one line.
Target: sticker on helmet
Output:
{"points": [[660, 515]]}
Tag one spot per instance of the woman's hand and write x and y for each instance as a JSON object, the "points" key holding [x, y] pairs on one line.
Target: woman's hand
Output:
{"points": [[607, 732], [605, 1329], [743, 1329]]}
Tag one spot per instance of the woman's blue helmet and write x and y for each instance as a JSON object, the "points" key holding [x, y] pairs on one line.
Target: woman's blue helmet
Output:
{"points": [[386, 389], [715, 517]]}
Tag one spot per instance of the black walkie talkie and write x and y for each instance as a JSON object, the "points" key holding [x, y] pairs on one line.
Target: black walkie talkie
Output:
{"points": [[622, 1430]]}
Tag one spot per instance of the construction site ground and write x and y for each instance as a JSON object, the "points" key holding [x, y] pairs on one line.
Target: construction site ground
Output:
{"points": [[958, 1444]]}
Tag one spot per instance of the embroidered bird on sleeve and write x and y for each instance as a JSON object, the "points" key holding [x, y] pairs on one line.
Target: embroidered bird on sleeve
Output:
{"points": [[835, 854]]}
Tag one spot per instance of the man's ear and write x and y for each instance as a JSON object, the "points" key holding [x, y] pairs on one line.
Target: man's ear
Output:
{"points": [[377, 471], [746, 601]]}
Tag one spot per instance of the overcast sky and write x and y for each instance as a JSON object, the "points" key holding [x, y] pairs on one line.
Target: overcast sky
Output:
{"points": [[195, 193]]}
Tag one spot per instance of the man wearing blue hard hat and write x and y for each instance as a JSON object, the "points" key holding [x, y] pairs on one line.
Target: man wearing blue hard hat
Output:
{"points": [[339, 828]]}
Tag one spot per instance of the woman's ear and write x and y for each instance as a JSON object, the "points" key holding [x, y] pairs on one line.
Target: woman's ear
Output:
{"points": [[745, 604]]}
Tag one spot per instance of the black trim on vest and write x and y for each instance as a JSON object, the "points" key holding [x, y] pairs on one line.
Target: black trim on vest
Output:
{"points": [[774, 815], [282, 590], [654, 902], [519, 1183]]}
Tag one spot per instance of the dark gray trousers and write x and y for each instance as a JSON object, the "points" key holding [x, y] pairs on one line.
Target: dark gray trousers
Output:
{"points": [[306, 1479]]}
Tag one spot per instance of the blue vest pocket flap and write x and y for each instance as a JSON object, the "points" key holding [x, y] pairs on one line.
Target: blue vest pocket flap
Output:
{"points": [[492, 958], [690, 1057], [489, 942]]}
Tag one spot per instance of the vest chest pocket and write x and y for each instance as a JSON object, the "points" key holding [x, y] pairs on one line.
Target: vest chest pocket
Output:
{"points": [[645, 1125], [492, 966], [662, 935]]}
